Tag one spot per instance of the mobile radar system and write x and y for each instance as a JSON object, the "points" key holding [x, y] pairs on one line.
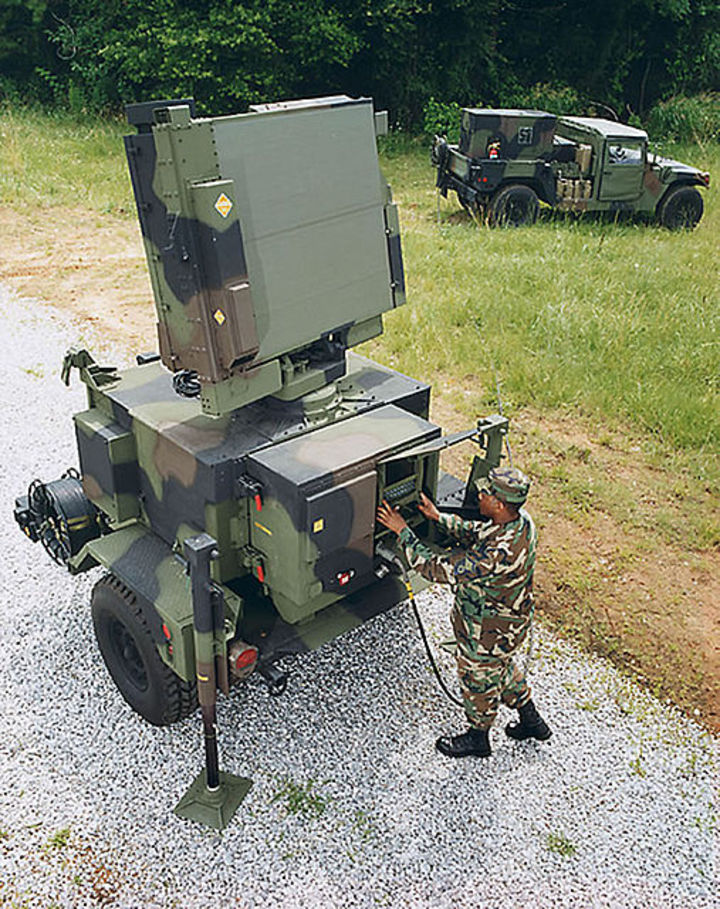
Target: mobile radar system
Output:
{"points": [[228, 484]]}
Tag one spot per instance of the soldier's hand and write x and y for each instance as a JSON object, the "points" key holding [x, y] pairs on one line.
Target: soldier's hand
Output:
{"points": [[428, 508], [390, 517]]}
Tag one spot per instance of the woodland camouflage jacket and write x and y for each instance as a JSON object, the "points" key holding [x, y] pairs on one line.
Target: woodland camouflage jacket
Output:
{"points": [[491, 579]]}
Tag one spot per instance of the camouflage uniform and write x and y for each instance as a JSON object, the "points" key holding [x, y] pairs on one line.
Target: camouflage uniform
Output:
{"points": [[493, 608]]}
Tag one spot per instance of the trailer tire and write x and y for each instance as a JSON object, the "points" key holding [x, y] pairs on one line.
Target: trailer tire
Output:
{"points": [[681, 208], [149, 686], [513, 206]]}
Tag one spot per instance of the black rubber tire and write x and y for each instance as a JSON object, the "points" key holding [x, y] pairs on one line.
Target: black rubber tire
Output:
{"points": [[513, 206], [681, 208], [149, 686]]}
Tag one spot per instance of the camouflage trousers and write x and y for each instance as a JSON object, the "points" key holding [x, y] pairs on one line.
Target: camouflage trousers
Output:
{"points": [[485, 644], [485, 681]]}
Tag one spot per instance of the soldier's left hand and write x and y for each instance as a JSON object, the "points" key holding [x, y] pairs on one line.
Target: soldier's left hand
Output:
{"points": [[390, 517]]}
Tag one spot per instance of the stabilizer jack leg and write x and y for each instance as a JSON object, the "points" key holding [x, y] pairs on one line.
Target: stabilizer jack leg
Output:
{"points": [[213, 796]]}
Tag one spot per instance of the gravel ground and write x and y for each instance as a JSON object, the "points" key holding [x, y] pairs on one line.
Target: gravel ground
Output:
{"points": [[351, 805]]}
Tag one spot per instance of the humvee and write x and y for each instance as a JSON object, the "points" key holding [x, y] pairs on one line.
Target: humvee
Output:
{"points": [[508, 161], [228, 484]]}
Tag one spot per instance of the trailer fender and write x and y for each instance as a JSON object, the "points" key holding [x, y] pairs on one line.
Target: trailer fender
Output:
{"points": [[148, 567]]}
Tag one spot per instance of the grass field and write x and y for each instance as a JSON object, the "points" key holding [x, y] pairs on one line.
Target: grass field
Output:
{"points": [[619, 320], [602, 337], [54, 159]]}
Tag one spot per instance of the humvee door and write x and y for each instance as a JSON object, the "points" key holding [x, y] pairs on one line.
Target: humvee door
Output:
{"points": [[622, 170]]}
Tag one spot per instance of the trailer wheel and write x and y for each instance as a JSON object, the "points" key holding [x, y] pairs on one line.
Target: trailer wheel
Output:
{"points": [[513, 206], [149, 686], [681, 208]]}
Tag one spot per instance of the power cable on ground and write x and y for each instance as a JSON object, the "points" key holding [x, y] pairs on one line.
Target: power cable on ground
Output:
{"points": [[398, 561]]}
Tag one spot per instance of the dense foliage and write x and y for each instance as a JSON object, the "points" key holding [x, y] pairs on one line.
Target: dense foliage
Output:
{"points": [[626, 54]]}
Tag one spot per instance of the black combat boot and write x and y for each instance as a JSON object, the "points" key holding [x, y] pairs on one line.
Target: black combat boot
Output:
{"points": [[473, 742], [531, 725]]}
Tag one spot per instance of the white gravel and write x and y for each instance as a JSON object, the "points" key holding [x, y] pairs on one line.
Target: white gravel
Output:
{"points": [[619, 809]]}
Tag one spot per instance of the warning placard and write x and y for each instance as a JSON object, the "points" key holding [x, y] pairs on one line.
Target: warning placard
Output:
{"points": [[223, 204]]}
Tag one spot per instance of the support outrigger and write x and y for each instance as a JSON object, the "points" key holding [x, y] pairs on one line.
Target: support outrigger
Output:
{"points": [[213, 796]]}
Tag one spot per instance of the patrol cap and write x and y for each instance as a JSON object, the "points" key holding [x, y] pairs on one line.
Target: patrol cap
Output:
{"points": [[506, 483]]}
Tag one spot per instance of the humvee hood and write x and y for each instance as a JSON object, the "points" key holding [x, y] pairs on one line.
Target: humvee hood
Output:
{"points": [[677, 167]]}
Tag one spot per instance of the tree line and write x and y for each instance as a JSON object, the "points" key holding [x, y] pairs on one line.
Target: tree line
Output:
{"points": [[621, 55]]}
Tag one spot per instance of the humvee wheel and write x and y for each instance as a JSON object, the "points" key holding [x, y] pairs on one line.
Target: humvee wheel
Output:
{"points": [[681, 208], [149, 686], [513, 206]]}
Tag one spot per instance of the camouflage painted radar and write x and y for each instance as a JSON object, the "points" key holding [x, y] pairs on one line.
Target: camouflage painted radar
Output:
{"points": [[256, 443], [265, 233]]}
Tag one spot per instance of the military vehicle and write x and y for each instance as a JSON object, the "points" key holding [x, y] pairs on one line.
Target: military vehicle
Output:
{"points": [[508, 161], [228, 484]]}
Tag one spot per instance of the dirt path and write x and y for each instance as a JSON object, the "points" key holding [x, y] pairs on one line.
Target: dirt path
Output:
{"points": [[92, 265], [614, 570]]}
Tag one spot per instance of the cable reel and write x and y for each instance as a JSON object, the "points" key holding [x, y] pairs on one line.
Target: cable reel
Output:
{"points": [[59, 515]]}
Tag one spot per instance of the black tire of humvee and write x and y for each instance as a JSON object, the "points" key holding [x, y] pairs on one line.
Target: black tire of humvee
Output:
{"points": [[513, 206], [681, 208], [149, 686]]}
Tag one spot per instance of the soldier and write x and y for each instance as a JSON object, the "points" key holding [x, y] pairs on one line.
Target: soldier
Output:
{"points": [[493, 608]]}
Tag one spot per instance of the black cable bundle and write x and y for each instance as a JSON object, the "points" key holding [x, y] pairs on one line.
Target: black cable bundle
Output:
{"points": [[186, 383]]}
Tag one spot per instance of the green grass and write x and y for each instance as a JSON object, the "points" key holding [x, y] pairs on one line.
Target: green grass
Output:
{"points": [[52, 159], [637, 765], [560, 845], [300, 798], [59, 839], [670, 502], [620, 321]]}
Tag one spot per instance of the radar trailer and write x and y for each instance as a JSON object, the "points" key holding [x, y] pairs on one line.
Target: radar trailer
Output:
{"points": [[228, 484]]}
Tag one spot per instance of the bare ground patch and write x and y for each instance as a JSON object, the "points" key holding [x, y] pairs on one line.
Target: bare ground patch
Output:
{"points": [[89, 264]]}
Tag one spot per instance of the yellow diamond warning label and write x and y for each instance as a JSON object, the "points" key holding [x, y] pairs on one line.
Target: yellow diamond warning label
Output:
{"points": [[219, 316], [318, 525], [223, 205]]}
